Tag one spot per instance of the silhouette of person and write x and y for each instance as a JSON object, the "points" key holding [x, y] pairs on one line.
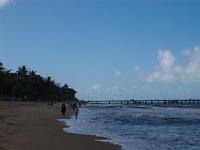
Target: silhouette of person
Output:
{"points": [[63, 109], [76, 113], [74, 106], [51, 103]]}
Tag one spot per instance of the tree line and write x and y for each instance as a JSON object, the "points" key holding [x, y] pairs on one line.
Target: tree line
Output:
{"points": [[26, 84]]}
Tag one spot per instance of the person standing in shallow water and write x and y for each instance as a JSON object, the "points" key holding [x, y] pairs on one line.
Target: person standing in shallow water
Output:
{"points": [[76, 113], [63, 109]]}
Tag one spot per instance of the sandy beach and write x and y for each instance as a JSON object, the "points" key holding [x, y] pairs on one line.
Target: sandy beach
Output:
{"points": [[33, 126]]}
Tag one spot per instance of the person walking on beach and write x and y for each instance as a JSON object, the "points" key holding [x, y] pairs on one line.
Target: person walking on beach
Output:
{"points": [[76, 113], [63, 109]]}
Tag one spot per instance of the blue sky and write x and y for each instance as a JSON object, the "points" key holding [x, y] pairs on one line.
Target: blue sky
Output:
{"points": [[106, 49]]}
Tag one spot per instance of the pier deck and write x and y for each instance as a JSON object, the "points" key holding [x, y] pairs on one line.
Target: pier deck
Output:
{"points": [[187, 101]]}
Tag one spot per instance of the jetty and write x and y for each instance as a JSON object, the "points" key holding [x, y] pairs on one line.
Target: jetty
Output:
{"points": [[177, 101]]}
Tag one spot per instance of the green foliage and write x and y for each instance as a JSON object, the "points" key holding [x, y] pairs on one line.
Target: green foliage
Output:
{"points": [[26, 84]]}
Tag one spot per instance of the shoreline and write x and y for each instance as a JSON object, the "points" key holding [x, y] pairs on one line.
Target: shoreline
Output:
{"points": [[35, 126]]}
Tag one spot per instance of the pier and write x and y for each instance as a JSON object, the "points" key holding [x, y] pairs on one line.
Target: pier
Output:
{"points": [[126, 102]]}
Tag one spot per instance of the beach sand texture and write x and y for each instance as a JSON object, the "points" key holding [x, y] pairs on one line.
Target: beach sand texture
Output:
{"points": [[33, 126]]}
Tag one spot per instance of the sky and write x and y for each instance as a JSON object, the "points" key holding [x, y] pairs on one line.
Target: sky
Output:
{"points": [[107, 49]]}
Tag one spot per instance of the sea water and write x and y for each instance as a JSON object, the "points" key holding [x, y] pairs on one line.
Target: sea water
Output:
{"points": [[141, 127]]}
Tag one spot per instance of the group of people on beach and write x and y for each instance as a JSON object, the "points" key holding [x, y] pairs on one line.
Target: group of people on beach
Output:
{"points": [[74, 108]]}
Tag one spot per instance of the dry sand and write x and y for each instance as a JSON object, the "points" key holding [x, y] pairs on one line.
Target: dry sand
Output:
{"points": [[33, 126]]}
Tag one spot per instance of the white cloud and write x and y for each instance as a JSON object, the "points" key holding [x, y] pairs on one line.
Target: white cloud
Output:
{"points": [[166, 60], [137, 68], [117, 72], [168, 70], [186, 52], [95, 87], [192, 69], [94, 91], [165, 68], [113, 89], [4, 3]]}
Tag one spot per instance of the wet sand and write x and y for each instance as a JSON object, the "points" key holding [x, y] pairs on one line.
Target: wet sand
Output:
{"points": [[33, 126]]}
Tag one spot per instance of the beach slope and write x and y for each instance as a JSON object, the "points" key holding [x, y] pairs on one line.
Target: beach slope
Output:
{"points": [[33, 126]]}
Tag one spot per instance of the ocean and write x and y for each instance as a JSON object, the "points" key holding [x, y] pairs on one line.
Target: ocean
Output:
{"points": [[140, 127]]}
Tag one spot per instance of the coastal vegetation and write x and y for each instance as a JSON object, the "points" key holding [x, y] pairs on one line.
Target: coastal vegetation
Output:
{"points": [[25, 84]]}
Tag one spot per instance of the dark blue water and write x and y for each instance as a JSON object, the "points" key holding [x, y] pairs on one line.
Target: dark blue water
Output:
{"points": [[141, 128]]}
